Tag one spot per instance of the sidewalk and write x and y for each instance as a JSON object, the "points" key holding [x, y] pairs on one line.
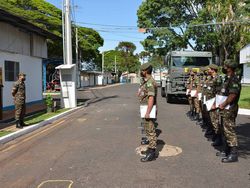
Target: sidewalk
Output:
{"points": [[9, 115]]}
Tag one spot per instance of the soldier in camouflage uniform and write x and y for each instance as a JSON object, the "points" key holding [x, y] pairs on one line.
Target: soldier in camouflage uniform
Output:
{"points": [[18, 93], [196, 86], [203, 78], [215, 85], [149, 98], [231, 88], [211, 91], [188, 86]]}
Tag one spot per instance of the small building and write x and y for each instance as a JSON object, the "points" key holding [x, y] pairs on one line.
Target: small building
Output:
{"points": [[23, 47], [245, 60]]}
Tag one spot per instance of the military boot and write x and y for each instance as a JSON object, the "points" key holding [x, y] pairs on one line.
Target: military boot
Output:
{"points": [[18, 124], [193, 116], [217, 141], [145, 152], [22, 123], [145, 142], [232, 157], [209, 132], [150, 156]]}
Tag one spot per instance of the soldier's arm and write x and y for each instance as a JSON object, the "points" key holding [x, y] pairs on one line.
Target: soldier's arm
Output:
{"points": [[151, 95], [14, 89], [234, 91], [150, 106]]}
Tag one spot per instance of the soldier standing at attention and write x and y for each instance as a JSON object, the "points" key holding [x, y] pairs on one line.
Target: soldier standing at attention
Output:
{"points": [[149, 99], [188, 82], [203, 77], [211, 93], [196, 86], [190, 99], [231, 88], [18, 93]]}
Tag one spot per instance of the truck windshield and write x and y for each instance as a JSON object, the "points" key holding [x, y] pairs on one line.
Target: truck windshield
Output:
{"points": [[190, 61]]}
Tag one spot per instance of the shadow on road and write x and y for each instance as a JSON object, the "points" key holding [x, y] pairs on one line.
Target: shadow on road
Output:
{"points": [[243, 133], [160, 146], [92, 101]]}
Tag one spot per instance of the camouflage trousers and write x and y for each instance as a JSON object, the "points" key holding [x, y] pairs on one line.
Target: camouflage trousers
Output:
{"points": [[19, 111], [197, 105], [150, 132], [229, 125], [191, 103], [214, 117]]}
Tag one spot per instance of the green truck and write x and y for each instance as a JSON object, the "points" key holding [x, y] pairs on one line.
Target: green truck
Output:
{"points": [[179, 63]]}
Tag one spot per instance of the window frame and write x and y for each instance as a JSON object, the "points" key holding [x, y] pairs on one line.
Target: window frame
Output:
{"points": [[11, 75]]}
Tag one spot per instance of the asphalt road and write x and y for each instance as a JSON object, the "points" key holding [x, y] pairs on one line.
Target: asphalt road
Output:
{"points": [[96, 147]]}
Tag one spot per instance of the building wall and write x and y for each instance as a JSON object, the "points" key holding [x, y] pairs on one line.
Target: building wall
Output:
{"points": [[18, 41], [32, 67], [246, 73]]}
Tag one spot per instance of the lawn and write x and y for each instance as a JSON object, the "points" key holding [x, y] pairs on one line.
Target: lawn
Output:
{"points": [[39, 117], [3, 133], [244, 101]]}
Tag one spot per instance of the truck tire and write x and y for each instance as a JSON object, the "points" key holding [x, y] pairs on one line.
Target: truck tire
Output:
{"points": [[163, 93], [169, 98]]}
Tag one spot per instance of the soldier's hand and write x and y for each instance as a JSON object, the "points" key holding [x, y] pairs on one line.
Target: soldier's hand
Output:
{"points": [[147, 116], [221, 106]]}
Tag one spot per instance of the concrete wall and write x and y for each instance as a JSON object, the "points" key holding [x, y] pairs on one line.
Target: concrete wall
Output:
{"points": [[32, 67], [18, 41]]}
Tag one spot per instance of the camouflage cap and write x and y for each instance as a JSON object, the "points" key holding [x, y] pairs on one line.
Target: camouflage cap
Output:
{"points": [[230, 63], [203, 69], [213, 66], [21, 74], [145, 66]]}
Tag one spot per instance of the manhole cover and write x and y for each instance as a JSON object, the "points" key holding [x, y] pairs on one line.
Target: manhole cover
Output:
{"points": [[163, 150]]}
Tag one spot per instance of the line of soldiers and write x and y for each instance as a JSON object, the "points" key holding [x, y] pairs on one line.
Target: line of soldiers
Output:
{"points": [[217, 117]]}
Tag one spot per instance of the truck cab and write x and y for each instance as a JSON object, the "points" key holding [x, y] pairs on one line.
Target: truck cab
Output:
{"points": [[179, 63]]}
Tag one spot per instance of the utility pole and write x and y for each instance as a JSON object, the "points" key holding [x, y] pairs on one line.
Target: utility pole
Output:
{"points": [[68, 33], [67, 70], [115, 64], [77, 62]]}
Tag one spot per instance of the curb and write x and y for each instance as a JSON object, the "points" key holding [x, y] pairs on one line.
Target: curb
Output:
{"points": [[32, 128], [243, 111]]}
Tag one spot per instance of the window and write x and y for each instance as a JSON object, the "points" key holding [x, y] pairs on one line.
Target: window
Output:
{"points": [[190, 61], [11, 70]]}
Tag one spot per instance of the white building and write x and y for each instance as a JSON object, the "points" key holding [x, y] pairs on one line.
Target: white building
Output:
{"points": [[22, 48], [245, 60]]}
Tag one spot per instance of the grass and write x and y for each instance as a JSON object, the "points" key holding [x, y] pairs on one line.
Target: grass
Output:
{"points": [[39, 117], [244, 101], [3, 133]]}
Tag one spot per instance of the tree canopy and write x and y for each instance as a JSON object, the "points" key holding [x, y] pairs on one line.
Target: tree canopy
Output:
{"points": [[213, 25], [49, 17]]}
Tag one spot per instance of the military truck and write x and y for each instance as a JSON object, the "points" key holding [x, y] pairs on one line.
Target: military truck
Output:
{"points": [[179, 63]]}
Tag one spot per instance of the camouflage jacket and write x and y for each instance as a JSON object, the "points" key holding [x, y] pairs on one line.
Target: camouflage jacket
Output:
{"points": [[231, 85], [18, 91], [149, 88], [212, 86]]}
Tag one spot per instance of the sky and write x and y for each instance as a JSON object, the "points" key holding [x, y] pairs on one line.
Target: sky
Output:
{"points": [[108, 17]]}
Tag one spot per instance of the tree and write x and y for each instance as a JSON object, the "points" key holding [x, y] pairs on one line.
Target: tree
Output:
{"points": [[169, 28], [49, 17], [130, 62], [166, 24], [89, 41]]}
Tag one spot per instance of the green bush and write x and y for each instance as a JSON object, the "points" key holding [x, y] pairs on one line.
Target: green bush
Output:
{"points": [[49, 101]]}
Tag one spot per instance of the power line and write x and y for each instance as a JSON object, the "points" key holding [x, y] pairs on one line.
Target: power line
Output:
{"points": [[96, 24]]}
